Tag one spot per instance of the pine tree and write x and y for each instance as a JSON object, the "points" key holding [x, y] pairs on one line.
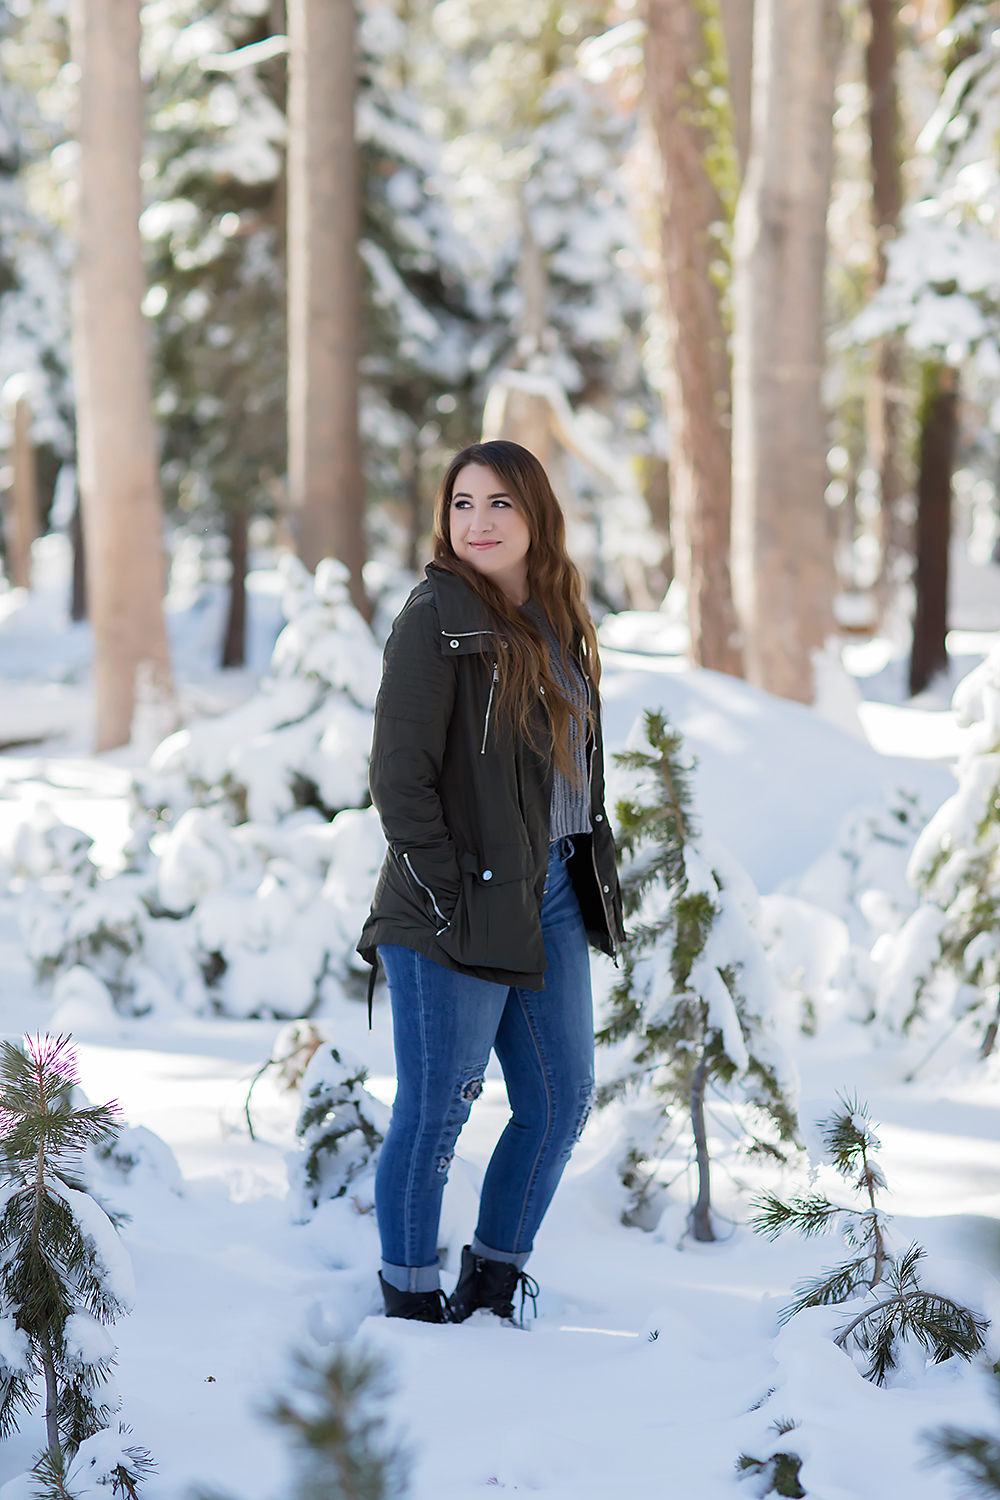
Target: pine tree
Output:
{"points": [[342, 1450], [896, 1306], [777, 1475], [340, 1125], [695, 994], [976, 1455], [64, 1277], [943, 967]]}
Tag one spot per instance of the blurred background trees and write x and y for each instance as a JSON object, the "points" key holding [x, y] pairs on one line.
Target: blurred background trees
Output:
{"points": [[730, 269]]}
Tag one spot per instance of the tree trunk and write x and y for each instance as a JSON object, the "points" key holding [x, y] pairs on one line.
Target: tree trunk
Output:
{"points": [[783, 573], [698, 385], [234, 646], [22, 498], [78, 606], [700, 1217], [527, 419], [737, 27], [887, 201], [326, 477], [938, 427], [118, 460]]}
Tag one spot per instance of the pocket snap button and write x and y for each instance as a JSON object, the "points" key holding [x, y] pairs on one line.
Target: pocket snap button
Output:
{"points": [[606, 889], [455, 645], [599, 818], [487, 874]]}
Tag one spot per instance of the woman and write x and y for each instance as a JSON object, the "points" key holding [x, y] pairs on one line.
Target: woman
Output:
{"points": [[487, 773]]}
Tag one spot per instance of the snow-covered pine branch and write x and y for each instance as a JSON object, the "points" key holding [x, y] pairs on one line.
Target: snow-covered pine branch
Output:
{"points": [[943, 967], [696, 1001]]}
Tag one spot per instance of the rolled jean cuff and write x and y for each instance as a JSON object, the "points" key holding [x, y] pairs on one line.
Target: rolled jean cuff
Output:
{"points": [[486, 1252], [412, 1278]]}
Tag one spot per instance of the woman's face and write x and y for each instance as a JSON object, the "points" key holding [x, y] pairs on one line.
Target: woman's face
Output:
{"points": [[489, 531]]}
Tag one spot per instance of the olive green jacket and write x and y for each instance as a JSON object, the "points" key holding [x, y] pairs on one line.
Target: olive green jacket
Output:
{"points": [[465, 804]]}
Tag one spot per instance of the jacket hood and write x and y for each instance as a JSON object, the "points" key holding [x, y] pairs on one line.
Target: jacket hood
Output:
{"points": [[462, 614]]}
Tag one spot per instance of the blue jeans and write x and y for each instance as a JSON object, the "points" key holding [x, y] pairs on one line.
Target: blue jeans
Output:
{"points": [[445, 1026]]}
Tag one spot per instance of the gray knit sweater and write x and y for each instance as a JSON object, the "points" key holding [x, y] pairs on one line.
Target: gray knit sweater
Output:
{"points": [[570, 808]]}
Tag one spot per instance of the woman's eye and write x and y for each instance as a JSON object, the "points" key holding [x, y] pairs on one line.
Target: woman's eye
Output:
{"points": [[459, 504], [502, 504]]}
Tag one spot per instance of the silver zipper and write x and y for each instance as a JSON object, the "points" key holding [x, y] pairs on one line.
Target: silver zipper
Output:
{"points": [[489, 705], [440, 913], [463, 634]]}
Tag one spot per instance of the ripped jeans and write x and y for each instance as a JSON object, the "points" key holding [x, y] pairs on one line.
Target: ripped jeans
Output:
{"points": [[445, 1026]]}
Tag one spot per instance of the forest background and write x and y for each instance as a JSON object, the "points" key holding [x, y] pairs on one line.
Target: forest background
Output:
{"points": [[730, 270]]}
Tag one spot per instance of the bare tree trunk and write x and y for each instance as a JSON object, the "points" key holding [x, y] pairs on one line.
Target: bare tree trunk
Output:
{"points": [[118, 460], [887, 202], [698, 388], [22, 502], [78, 606], [234, 646], [326, 477], [783, 574], [938, 427], [737, 26], [700, 1217]]}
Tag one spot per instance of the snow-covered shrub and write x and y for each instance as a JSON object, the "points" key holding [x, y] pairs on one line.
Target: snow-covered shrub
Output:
{"points": [[303, 739], [340, 1126], [696, 1001], [252, 861], [944, 963], [887, 1304], [65, 1277]]}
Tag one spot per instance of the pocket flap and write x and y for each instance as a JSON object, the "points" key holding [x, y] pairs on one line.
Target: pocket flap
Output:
{"points": [[500, 864]]}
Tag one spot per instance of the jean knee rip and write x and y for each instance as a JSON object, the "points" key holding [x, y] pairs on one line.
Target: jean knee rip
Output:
{"points": [[469, 1092], [587, 1096], [444, 1162]]}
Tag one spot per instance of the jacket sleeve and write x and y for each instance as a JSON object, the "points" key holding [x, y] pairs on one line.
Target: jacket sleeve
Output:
{"points": [[412, 715]]}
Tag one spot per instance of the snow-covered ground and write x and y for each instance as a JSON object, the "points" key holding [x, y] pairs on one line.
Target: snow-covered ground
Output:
{"points": [[588, 1403]]}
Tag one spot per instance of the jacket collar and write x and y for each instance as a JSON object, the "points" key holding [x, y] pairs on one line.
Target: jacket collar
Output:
{"points": [[462, 616]]}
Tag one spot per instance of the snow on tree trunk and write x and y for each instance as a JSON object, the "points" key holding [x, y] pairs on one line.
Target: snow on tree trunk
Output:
{"points": [[326, 481], [938, 427], [118, 460], [697, 195], [782, 563]]}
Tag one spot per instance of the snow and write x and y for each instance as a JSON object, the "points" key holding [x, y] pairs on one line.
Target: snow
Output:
{"points": [[233, 1270]]}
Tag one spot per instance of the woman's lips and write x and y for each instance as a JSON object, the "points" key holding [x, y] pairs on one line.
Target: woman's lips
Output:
{"points": [[482, 546]]}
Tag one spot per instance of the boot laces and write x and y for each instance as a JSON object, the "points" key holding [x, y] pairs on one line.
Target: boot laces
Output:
{"points": [[529, 1288]]}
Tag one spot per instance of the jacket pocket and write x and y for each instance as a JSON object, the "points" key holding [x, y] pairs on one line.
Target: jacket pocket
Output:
{"points": [[497, 923]]}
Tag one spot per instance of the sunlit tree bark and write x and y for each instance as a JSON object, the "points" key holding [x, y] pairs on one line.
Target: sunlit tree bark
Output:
{"points": [[783, 577], [326, 479], [116, 439], [681, 39]]}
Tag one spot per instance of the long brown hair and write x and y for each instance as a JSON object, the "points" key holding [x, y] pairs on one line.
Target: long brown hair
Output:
{"points": [[554, 583]]}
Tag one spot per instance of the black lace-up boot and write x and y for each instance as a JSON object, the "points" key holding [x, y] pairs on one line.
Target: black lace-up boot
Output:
{"points": [[490, 1284], [422, 1307]]}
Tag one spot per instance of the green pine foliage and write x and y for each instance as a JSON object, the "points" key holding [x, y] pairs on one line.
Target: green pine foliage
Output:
{"points": [[897, 1307], [974, 1455], [777, 1475], [340, 1125], [695, 992], [58, 1294], [337, 1431]]}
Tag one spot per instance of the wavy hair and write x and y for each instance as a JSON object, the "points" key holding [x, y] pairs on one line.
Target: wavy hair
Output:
{"points": [[524, 677]]}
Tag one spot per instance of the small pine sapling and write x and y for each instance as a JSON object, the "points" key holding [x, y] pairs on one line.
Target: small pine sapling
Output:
{"points": [[897, 1306], [976, 1455], [340, 1446], [696, 994], [341, 1126], [64, 1275], [777, 1475]]}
